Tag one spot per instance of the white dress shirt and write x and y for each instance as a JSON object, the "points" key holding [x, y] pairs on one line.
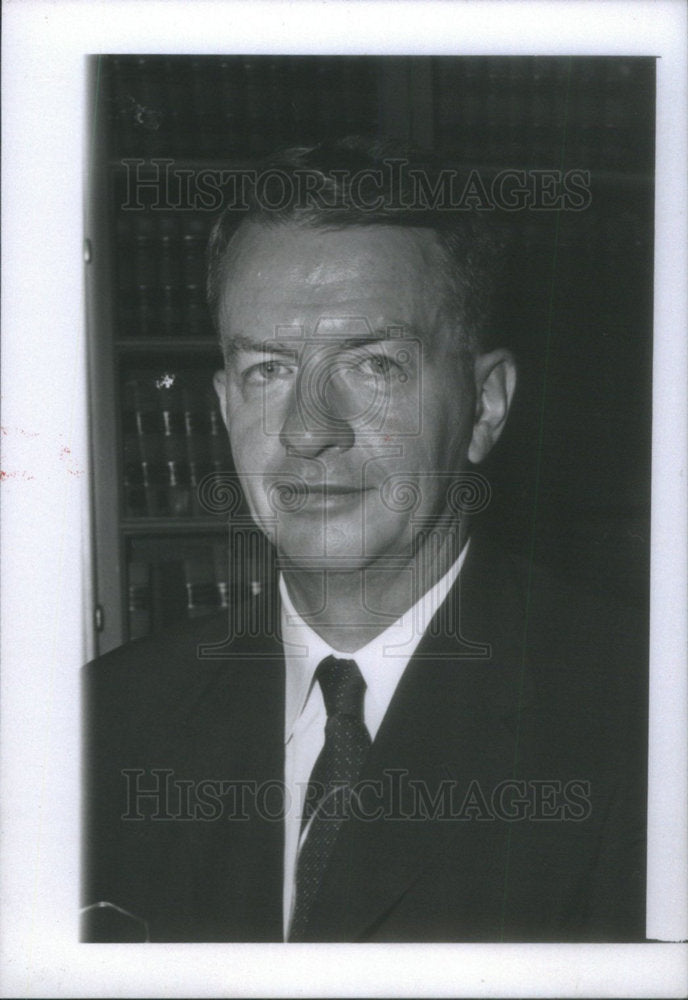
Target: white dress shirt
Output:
{"points": [[381, 662]]}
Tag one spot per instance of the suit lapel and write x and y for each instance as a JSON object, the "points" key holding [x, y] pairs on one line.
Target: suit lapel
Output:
{"points": [[454, 722]]}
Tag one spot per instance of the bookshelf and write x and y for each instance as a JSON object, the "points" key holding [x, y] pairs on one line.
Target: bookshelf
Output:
{"points": [[159, 122]]}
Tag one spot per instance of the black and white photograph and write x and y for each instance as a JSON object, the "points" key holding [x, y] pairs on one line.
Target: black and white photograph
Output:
{"points": [[368, 353], [375, 413]]}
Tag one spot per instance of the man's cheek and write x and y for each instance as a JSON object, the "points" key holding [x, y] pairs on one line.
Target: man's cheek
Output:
{"points": [[250, 446]]}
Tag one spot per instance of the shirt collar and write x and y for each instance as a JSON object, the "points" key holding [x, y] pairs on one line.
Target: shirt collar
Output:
{"points": [[304, 649]]}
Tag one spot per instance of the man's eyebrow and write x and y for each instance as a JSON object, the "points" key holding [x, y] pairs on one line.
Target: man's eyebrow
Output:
{"points": [[240, 343], [393, 332]]}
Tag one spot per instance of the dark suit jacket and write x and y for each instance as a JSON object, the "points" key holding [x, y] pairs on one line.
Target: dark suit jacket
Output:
{"points": [[517, 680]]}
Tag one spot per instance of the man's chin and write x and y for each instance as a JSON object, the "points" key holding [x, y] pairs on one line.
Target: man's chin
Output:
{"points": [[306, 559], [342, 547]]}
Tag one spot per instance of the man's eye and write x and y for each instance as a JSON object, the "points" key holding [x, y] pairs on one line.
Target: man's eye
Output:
{"points": [[376, 364], [267, 371]]}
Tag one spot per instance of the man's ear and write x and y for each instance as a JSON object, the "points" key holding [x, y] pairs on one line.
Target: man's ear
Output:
{"points": [[220, 386], [495, 383]]}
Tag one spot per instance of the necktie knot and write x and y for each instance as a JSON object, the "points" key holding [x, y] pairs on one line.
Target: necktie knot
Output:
{"points": [[343, 687]]}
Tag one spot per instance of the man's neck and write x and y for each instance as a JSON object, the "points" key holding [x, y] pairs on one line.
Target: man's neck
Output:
{"points": [[350, 608]]}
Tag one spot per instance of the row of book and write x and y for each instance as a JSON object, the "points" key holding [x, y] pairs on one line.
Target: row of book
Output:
{"points": [[209, 107], [161, 269], [546, 111], [164, 312], [172, 437], [160, 593], [513, 110], [170, 579], [163, 592]]}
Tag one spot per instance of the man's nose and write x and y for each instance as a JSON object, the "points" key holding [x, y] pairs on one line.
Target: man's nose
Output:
{"points": [[317, 418]]}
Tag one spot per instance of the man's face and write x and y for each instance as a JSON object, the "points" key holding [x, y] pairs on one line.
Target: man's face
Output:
{"points": [[348, 407]]}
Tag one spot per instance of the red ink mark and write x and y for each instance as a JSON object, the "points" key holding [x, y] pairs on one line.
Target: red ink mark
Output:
{"points": [[65, 452], [19, 430], [15, 475]]}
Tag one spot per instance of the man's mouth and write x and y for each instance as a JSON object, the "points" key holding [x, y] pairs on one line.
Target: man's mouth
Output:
{"points": [[290, 497]]}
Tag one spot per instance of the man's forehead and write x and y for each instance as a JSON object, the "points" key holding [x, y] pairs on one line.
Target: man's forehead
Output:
{"points": [[317, 257], [359, 282]]}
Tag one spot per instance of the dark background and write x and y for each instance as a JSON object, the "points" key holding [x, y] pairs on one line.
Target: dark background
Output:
{"points": [[571, 474]]}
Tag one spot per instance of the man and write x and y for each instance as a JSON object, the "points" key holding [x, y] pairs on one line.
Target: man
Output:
{"points": [[409, 736]]}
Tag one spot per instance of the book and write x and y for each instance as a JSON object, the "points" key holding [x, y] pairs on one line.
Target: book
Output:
{"points": [[221, 568], [172, 437], [194, 311], [176, 497], [142, 455], [202, 596], [139, 599]]}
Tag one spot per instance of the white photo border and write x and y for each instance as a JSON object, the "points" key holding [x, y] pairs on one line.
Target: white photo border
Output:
{"points": [[45, 467]]}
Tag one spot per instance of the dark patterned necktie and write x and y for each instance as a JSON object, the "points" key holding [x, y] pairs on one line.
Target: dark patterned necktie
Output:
{"points": [[336, 770]]}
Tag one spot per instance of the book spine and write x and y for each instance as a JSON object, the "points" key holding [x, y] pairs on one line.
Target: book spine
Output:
{"points": [[145, 280], [205, 93], [255, 124], [221, 568], [197, 451], [217, 442], [192, 272], [169, 276], [232, 104], [177, 493], [140, 599], [134, 493], [201, 590]]}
